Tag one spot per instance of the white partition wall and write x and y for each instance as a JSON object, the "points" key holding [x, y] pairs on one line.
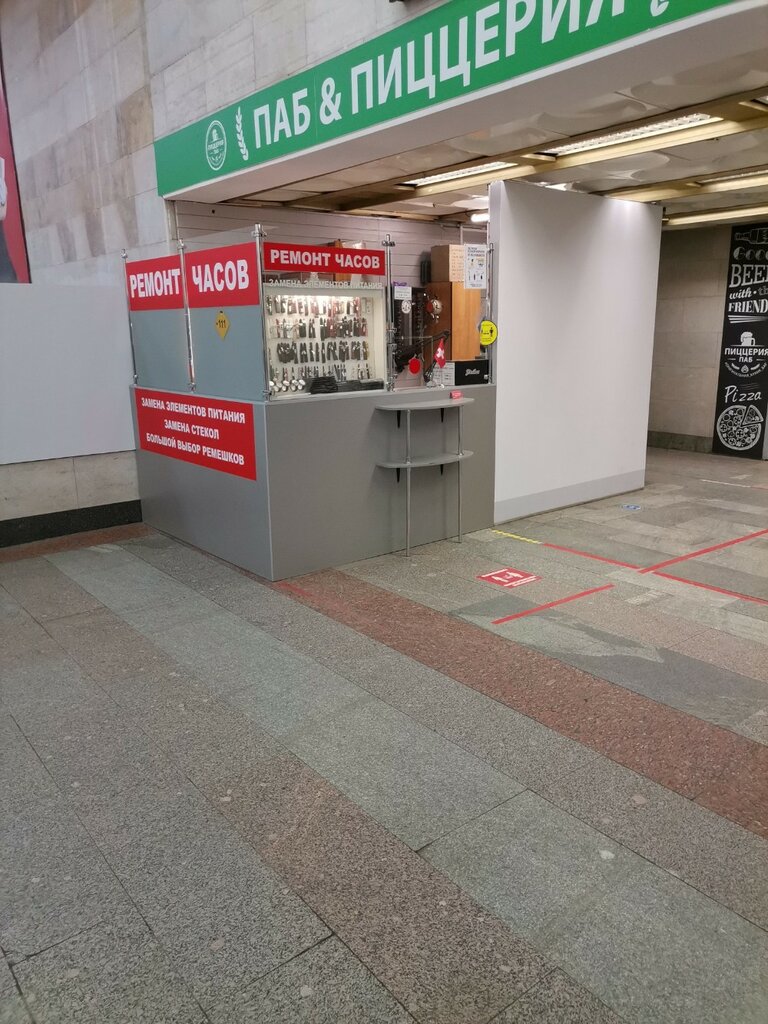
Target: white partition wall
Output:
{"points": [[65, 370], [576, 279]]}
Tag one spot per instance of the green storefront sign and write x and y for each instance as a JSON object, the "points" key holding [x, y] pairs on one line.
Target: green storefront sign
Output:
{"points": [[455, 50]]}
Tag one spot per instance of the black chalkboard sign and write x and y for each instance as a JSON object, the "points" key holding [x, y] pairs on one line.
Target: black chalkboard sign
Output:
{"points": [[742, 389]]}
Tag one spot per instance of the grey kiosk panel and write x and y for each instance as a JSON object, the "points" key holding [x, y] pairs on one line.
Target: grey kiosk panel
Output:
{"points": [[160, 349], [319, 498], [232, 366]]}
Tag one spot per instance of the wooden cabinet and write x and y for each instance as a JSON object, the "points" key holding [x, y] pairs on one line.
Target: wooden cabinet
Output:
{"points": [[462, 312]]}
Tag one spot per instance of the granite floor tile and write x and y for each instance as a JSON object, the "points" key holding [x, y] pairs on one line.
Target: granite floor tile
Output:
{"points": [[115, 972], [325, 985], [439, 955], [73, 542], [741, 791], [43, 681], [650, 947], [699, 571], [224, 917], [206, 737], [716, 856], [123, 582], [557, 999], [668, 746], [709, 692], [12, 1009], [415, 783], [95, 750], [45, 592], [121, 660], [53, 882]]}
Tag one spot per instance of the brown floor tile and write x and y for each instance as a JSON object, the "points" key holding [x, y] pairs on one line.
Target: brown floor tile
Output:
{"points": [[443, 957], [668, 746], [73, 541]]}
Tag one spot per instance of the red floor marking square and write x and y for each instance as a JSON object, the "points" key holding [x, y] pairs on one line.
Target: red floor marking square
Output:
{"points": [[509, 577]]}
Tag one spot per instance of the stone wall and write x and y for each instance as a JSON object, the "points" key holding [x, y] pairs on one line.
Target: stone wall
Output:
{"points": [[689, 321], [92, 83], [81, 115]]}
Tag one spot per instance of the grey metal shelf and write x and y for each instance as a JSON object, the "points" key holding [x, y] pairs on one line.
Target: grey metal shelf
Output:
{"points": [[440, 459], [443, 459], [445, 403]]}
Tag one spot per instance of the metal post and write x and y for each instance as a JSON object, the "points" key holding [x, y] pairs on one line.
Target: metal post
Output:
{"points": [[259, 234], [124, 257], [460, 411], [390, 318], [490, 296], [187, 317], [407, 483]]}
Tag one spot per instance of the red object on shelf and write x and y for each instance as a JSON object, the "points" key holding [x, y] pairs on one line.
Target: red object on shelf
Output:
{"points": [[414, 365], [457, 394]]}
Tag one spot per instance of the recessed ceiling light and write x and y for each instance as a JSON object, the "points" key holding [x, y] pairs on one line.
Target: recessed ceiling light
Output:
{"points": [[647, 131], [739, 213], [465, 172]]}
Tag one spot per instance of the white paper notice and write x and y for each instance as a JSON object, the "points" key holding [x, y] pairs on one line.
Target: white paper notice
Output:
{"points": [[476, 267]]}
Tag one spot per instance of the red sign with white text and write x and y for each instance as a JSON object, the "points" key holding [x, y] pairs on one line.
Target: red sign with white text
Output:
{"points": [[509, 577], [209, 432], [318, 259], [154, 284], [222, 277]]}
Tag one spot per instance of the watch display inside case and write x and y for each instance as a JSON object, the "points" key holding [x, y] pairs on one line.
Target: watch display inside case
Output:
{"points": [[324, 337]]}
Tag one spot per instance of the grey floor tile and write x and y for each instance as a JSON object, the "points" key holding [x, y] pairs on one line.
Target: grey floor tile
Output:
{"points": [[119, 659], [115, 973], [707, 691], [557, 999], [96, 750], [701, 571], [122, 583], [414, 782], [709, 852], [207, 738], [53, 881], [653, 949], [325, 985], [224, 918], [44, 591], [12, 1009]]}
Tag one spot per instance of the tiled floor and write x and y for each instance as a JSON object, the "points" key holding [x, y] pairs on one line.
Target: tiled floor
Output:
{"points": [[396, 792]]}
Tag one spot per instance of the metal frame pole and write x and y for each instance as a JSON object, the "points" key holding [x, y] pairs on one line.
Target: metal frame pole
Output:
{"points": [[390, 318], [124, 257], [188, 319], [407, 483], [260, 234], [460, 411]]}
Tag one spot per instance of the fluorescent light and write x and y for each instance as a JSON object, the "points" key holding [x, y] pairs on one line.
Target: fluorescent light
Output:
{"points": [[737, 213], [647, 131], [733, 182], [480, 218], [465, 172]]}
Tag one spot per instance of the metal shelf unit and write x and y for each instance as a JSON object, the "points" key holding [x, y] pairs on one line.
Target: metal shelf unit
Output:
{"points": [[440, 459]]}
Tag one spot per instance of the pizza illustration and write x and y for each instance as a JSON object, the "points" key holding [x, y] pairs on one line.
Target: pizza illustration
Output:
{"points": [[739, 427]]}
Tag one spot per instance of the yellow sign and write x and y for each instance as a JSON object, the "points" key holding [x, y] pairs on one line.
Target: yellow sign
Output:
{"points": [[222, 324], [489, 332]]}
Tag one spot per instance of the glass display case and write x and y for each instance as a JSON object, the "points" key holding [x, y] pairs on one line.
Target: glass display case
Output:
{"points": [[324, 337]]}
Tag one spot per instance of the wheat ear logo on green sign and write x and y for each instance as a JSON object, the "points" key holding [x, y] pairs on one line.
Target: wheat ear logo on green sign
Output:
{"points": [[216, 145]]}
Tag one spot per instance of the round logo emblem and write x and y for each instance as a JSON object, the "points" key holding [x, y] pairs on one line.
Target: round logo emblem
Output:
{"points": [[215, 145], [748, 358]]}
